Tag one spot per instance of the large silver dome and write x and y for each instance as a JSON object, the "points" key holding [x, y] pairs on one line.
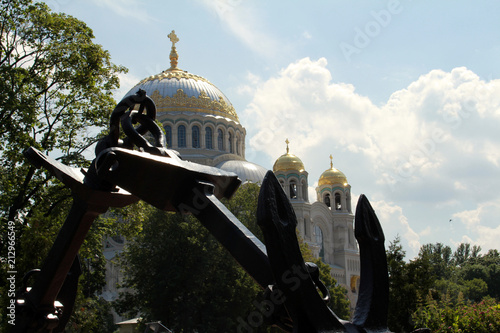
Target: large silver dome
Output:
{"points": [[180, 91]]}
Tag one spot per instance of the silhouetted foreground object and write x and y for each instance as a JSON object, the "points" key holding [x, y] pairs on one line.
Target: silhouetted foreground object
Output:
{"points": [[373, 300], [120, 175]]}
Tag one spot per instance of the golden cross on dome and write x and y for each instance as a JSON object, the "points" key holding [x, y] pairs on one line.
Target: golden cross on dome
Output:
{"points": [[287, 142], [173, 38], [331, 161], [174, 57]]}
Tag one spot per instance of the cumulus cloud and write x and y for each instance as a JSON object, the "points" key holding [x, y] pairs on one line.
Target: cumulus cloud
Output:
{"points": [[394, 223], [420, 131], [433, 143], [482, 224], [304, 91]]}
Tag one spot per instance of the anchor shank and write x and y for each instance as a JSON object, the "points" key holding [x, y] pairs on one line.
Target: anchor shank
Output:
{"points": [[246, 249]]}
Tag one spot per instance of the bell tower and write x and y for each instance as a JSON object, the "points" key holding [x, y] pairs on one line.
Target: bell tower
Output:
{"points": [[334, 191], [291, 174], [326, 225]]}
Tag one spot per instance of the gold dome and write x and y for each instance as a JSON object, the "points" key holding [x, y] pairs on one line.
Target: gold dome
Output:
{"points": [[287, 162], [332, 176]]}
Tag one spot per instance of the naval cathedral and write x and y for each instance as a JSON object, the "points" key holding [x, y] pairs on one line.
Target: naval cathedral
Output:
{"points": [[203, 126]]}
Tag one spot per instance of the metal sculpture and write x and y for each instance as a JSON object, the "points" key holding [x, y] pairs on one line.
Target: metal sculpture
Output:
{"points": [[120, 175]]}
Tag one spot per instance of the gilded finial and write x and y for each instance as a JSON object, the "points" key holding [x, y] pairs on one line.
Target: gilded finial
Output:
{"points": [[174, 57], [331, 161], [287, 142]]}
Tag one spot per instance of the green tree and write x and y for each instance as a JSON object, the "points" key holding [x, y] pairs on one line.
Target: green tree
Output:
{"points": [[434, 283], [408, 282], [444, 316], [486, 268], [56, 89], [465, 252], [440, 258], [176, 272], [402, 293]]}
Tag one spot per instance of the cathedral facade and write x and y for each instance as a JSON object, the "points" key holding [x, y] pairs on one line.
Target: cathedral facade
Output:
{"points": [[327, 224], [203, 126]]}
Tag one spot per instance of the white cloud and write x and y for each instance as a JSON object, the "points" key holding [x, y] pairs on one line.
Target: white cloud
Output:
{"points": [[394, 223], [303, 91], [127, 81], [482, 224], [422, 130], [432, 144], [491, 151], [249, 88], [306, 35]]}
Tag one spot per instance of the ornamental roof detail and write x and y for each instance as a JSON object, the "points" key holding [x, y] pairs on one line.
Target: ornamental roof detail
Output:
{"points": [[181, 101], [174, 74]]}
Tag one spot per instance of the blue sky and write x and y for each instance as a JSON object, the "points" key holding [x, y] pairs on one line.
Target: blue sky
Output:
{"points": [[404, 94]]}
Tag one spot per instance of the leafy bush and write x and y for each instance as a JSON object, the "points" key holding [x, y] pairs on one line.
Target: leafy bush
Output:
{"points": [[443, 316]]}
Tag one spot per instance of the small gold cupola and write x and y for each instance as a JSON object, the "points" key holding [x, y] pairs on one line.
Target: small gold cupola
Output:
{"points": [[287, 162], [332, 176]]}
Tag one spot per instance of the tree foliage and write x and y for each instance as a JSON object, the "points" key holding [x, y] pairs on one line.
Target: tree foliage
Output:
{"points": [[445, 316], [176, 272], [435, 288], [56, 89]]}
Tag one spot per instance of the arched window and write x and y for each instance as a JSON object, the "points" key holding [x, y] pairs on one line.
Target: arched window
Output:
{"points": [[338, 205], [195, 136], [230, 139], [208, 138], [327, 200], [293, 190], [319, 241], [168, 135], [238, 145], [181, 136], [220, 139]]}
